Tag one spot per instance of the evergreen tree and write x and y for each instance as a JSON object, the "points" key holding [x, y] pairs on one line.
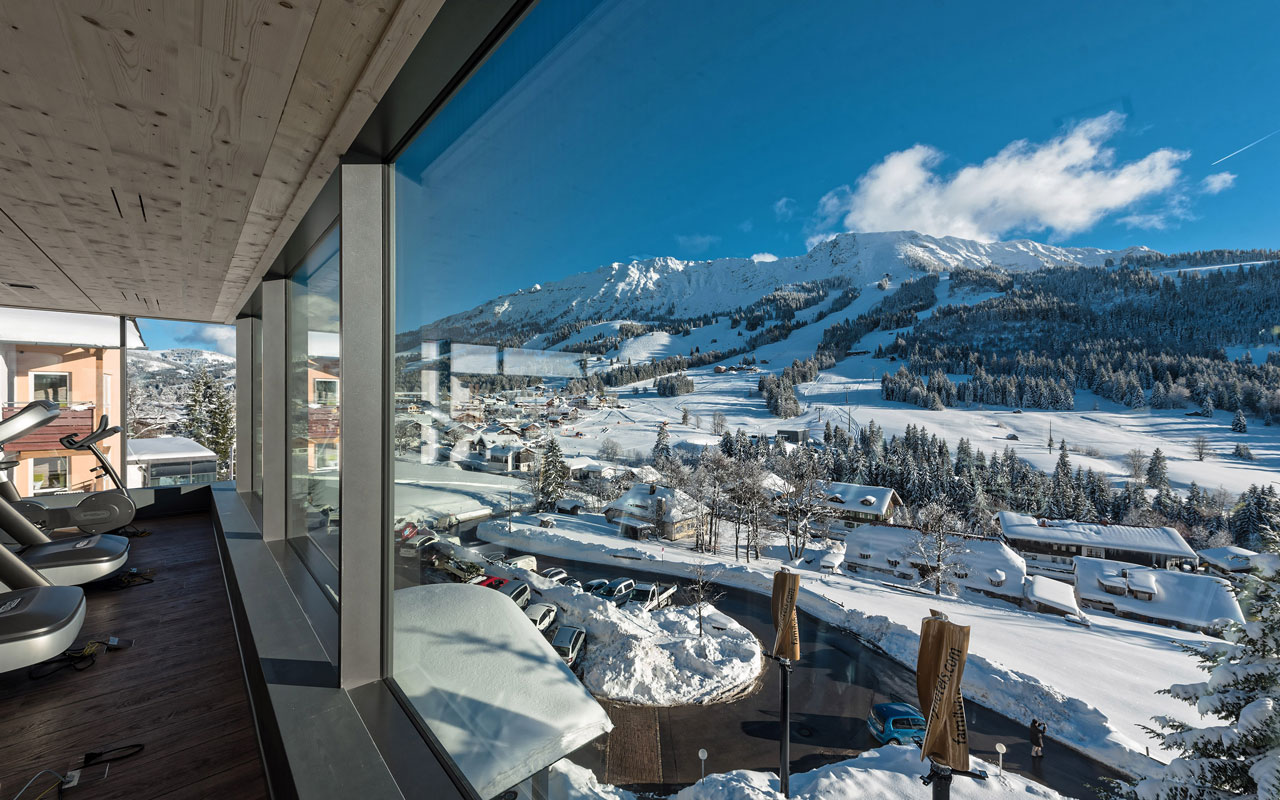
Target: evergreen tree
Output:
{"points": [[1206, 405], [1157, 470], [662, 447], [553, 477], [222, 428], [1240, 424], [197, 406]]}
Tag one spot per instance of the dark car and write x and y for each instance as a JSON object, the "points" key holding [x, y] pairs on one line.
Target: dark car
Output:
{"points": [[896, 723], [617, 591]]}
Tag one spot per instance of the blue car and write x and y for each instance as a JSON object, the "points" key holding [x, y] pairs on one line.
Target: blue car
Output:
{"points": [[896, 723]]}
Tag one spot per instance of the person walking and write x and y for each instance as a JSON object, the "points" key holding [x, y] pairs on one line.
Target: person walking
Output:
{"points": [[1038, 729]]}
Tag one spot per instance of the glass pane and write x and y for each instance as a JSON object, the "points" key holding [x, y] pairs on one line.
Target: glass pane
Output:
{"points": [[55, 386], [314, 312], [967, 307], [256, 433]]}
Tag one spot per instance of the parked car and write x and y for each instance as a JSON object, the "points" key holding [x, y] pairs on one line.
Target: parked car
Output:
{"points": [[569, 642], [555, 574], [541, 615], [491, 582], [591, 586], [518, 591], [417, 544], [523, 562], [617, 591], [896, 723], [575, 583], [652, 596]]}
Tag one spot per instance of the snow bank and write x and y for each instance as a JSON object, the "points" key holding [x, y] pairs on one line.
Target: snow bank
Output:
{"points": [[673, 665], [887, 773], [649, 658]]}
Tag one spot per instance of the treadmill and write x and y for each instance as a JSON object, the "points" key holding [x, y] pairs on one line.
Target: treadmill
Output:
{"points": [[37, 619], [64, 562]]}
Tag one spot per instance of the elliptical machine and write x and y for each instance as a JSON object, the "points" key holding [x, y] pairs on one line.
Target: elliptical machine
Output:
{"points": [[65, 562], [96, 512], [37, 619]]}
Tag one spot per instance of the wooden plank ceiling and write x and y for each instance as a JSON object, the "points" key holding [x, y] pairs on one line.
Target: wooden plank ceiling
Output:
{"points": [[156, 154]]}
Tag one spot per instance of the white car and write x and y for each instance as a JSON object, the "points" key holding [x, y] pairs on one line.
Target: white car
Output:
{"points": [[555, 574], [541, 615], [416, 544]]}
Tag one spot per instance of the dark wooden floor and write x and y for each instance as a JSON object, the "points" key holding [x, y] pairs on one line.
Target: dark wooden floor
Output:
{"points": [[179, 690]]}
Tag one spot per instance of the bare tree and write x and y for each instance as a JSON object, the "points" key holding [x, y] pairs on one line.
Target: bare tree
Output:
{"points": [[1136, 461], [143, 421], [609, 450], [702, 590], [802, 507], [1200, 446], [938, 547], [719, 423]]}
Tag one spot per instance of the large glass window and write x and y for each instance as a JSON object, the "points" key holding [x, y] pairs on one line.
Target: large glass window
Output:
{"points": [[256, 411], [928, 306], [314, 325], [49, 474]]}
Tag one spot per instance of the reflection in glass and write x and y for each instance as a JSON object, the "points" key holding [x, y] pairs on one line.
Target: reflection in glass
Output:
{"points": [[314, 313]]}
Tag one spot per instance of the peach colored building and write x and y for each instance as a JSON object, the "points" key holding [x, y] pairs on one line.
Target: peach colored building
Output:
{"points": [[74, 360]]}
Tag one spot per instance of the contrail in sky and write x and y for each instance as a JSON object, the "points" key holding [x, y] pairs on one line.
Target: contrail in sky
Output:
{"points": [[1246, 147]]}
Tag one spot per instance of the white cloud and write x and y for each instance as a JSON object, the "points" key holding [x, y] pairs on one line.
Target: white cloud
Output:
{"points": [[784, 209], [221, 338], [697, 243], [763, 257], [1217, 182], [1067, 184], [746, 225]]}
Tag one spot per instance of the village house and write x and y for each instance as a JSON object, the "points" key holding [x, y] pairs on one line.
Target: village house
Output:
{"points": [[1186, 600], [851, 505], [1051, 545], [648, 509], [1226, 561]]}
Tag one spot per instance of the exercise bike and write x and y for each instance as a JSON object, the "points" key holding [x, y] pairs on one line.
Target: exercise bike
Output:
{"points": [[96, 512]]}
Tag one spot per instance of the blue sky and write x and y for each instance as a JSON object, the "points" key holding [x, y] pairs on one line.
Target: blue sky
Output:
{"points": [[162, 334], [717, 128]]}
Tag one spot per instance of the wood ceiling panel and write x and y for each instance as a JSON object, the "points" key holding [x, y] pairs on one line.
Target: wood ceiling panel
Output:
{"points": [[155, 155]]}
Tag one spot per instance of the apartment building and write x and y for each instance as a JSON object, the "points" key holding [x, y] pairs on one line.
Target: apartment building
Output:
{"points": [[76, 361]]}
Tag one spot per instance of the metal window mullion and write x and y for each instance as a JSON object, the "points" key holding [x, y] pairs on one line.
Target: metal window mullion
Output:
{"points": [[362, 420], [275, 409], [244, 404]]}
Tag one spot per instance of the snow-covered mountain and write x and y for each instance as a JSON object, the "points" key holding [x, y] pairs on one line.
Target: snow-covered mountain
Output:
{"points": [[667, 287], [181, 359]]}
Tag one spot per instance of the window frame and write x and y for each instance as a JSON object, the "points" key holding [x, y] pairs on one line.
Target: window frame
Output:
{"points": [[31, 475], [31, 384]]}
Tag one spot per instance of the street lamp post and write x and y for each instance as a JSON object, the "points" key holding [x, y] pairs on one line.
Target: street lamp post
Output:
{"points": [[702, 756]]}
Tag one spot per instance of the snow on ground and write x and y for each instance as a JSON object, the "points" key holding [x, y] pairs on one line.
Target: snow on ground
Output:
{"points": [[647, 658], [886, 773], [1021, 664], [430, 493]]}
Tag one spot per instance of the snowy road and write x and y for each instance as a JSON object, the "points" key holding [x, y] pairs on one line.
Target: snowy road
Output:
{"points": [[833, 688]]}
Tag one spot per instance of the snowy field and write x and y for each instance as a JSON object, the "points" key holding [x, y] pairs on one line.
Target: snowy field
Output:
{"points": [[1099, 431], [886, 773], [1022, 664]]}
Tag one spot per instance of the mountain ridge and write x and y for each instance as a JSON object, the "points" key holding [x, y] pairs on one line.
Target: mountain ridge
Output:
{"points": [[667, 287]]}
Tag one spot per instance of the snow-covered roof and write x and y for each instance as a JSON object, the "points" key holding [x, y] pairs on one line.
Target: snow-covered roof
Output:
{"points": [[1164, 541], [639, 502], [503, 710], [877, 500], [984, 559], [66, 329], [1230, 558], [1186, 597], [167, 448], [1055, 594]]}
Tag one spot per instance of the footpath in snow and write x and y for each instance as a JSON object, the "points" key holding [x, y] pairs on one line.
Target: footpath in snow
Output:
{"points": [[886, 773], [1021, 664]]}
